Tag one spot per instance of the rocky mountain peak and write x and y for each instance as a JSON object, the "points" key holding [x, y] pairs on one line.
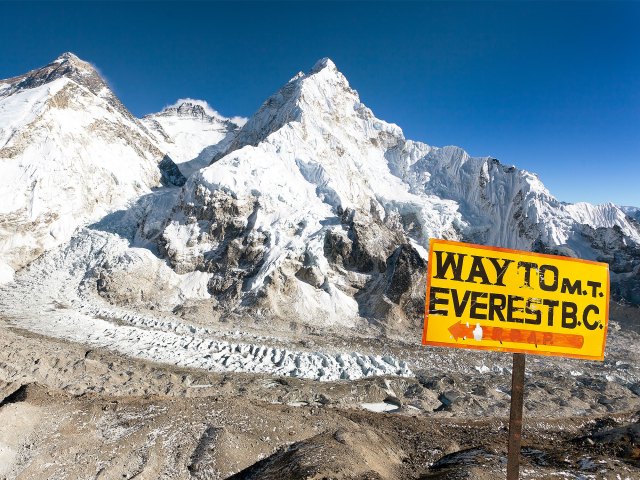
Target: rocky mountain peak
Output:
{"points": [[323, 63], [69, 66], [66, 65], [188, 108], [321, 93], [71, 59]]}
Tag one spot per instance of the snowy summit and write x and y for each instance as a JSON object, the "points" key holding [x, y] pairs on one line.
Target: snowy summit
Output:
{"points": [[312, 209]]}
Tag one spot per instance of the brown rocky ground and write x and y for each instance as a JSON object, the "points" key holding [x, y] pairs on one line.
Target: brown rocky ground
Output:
{"points": [[70, 412]]}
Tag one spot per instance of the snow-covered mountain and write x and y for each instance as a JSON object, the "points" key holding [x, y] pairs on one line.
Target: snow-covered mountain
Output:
{"points": [[313, 210], [191, 132], [319, 210], [69, 153], [633, 212]]}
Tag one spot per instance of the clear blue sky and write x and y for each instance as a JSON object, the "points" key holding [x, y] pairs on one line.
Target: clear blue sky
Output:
{"points": [[550, 87]]}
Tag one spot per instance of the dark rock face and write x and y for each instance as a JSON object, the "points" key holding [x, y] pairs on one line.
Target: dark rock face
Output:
{"points": [[396, 273], [406, 282], [337, 247], [171, 174], [236, 251], [366, 245], [404, 264]]}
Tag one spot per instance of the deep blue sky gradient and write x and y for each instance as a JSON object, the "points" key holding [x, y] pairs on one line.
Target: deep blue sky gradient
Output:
{"points": [[553, 88]]}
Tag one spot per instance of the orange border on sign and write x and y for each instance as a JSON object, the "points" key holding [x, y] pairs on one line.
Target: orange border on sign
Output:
{"points": [[433, 241]]}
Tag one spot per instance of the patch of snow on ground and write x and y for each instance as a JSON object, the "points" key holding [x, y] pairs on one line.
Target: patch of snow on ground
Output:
{"points": [[380, 407]]}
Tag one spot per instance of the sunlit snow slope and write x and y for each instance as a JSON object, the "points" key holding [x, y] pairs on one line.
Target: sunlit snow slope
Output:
{"points": [[69, 153]]}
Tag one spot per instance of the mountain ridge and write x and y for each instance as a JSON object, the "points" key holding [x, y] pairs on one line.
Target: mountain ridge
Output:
{"points": [[315, 200], [315, 205]]}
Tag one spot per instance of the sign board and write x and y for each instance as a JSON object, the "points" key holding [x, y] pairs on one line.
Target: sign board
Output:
{"points": [[491, 298]]}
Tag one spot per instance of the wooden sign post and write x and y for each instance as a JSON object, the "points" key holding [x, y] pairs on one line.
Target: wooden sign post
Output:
{"points": [[515, 416], [490, 298]]}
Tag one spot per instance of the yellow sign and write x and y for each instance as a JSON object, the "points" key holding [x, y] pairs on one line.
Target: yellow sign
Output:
{"points": [[491, 298]]}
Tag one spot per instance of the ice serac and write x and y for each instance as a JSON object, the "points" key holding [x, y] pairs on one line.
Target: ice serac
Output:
{"points": [[192, 133], [319, 211], [506, 206], [69, 153]]}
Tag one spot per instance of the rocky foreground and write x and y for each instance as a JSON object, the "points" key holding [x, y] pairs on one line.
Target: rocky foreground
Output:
{"points": [[67, 411]]}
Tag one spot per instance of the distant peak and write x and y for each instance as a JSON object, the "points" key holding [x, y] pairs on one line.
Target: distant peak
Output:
{"points": [[199, 109], [192, 107], [67, 56], [323, 63], [68, 66], [72, 62]]}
